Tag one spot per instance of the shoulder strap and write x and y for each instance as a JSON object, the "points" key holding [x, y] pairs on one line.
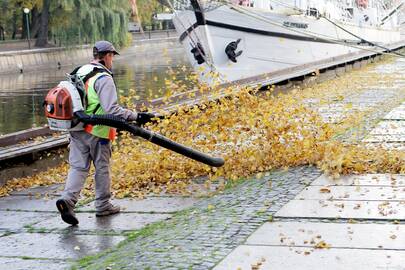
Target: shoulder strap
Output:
{"points": [[75, 71], [95, 71]]}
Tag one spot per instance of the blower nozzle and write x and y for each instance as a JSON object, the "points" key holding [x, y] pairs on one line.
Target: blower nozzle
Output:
{"points": [[120, 123]]}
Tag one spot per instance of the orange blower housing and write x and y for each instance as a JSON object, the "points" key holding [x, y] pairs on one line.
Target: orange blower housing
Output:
{"points": [[59, 107]]}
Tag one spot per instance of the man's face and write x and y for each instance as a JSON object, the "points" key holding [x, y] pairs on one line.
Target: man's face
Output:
{"points": [[108, 59]]}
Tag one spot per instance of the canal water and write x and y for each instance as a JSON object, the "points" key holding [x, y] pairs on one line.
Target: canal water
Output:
{"points": [[22, 95]]}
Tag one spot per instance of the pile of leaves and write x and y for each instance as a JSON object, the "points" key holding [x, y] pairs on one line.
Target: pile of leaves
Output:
{"points": [[255, 132]]}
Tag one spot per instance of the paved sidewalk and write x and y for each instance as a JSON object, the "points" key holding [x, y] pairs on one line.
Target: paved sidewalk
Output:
{"points": [[32, 235], [356, 222], [292, 219]]}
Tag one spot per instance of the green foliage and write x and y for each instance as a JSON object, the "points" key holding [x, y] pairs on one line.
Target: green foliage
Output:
{"points": [[11, 12], [73, 21], [85, 21], [146, 9]]}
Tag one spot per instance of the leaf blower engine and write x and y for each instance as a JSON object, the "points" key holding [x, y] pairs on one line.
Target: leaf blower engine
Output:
{"points": [[61, 104], [64, 109]]}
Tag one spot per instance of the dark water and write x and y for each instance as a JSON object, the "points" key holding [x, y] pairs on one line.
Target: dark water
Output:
{"points": [[22, 95]]}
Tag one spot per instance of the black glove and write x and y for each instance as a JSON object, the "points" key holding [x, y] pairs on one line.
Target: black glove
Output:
{"points": [[145, 117]]}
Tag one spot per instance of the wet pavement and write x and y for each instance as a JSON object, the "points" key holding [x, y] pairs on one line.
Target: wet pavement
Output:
{"points": [[319, 228], [355, 222], [27, 264], [33, 236], [295, 219], [56, 246]]}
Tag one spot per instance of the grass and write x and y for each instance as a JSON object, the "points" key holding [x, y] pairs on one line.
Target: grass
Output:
{"points": [[108, 257]]}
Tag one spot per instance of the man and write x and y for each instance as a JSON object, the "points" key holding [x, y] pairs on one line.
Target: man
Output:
{"points": [[93, 144]]}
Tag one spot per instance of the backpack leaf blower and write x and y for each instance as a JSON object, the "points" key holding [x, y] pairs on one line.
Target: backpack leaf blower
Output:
{"points": [[65, 112]]}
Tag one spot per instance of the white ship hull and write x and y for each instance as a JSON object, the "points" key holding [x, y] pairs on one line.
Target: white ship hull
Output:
{"points": [[270, 42]]}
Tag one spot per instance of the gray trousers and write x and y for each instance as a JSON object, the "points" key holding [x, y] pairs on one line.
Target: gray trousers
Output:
{"points": [[85, 148]]}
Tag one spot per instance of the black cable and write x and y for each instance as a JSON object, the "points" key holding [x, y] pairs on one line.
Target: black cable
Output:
{"points": [[362, 40], [340, 42]]}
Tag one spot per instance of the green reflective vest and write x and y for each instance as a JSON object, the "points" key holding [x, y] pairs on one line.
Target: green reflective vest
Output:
{"points": [[94, 107]]}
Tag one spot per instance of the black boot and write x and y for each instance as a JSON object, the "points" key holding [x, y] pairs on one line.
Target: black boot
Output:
{"points": [[66, 212]]}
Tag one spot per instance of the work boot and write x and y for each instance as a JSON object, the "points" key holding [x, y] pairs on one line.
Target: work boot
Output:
{"points": [[66, 212], [110, 210]]}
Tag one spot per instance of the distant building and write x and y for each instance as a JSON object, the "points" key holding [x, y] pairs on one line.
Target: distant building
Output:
{"points": [[165, 19], [134, 27]]}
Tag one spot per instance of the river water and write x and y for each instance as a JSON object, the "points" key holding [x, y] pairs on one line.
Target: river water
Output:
{"points": [[22, 95]]}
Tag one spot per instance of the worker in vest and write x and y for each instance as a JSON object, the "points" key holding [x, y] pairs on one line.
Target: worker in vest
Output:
{"points": [[93, 144]]}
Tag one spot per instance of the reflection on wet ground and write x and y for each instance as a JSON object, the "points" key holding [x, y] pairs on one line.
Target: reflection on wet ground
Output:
{"points": [[31, 227], [22, 95]]}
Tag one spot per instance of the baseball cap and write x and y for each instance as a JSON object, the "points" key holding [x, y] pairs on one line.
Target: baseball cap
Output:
{"points": [[104, 46]]}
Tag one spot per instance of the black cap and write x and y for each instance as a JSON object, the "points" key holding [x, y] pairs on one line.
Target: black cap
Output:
{"points": [[104, 46]]}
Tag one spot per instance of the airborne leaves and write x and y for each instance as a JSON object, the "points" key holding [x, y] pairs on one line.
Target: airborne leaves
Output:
{"points": [[255, 133]]}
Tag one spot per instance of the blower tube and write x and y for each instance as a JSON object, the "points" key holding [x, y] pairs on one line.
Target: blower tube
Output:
{"points": [[120, 123]]}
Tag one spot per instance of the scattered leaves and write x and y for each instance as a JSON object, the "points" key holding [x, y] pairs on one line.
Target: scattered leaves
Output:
{"points": [[254, 132]]}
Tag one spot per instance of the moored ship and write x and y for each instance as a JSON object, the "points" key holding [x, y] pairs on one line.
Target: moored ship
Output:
{"points": [[252, 42]]}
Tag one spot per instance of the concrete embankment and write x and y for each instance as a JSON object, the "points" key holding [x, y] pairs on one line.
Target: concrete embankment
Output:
{"points": [[12, 62], [26, 60]]}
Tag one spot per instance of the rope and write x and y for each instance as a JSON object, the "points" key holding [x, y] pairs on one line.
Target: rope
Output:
{"points": [[308, 33], [362, 39], [347, 31]]}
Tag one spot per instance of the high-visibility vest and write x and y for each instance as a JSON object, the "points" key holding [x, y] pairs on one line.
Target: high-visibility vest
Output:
{"points": [[94, 106]]}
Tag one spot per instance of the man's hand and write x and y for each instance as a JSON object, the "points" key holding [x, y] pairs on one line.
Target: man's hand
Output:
{"points": [[145, 117]]}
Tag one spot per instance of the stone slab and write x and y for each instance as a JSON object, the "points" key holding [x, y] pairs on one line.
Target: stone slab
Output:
{"points": [[23, 264], [387, 134], [389, 127], [337, 235], [378, 210], [56, 246], [374, 138], [393, 180], [151, 204], [17, 220], [89, 222], [396, 114], [352, 193], [388, 146], [287, 258], [28, 203], [54, 190]]}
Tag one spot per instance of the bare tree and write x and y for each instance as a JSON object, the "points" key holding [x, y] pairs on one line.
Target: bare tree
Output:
{"points": [[2, 33], [42, 39], [135, 14]]}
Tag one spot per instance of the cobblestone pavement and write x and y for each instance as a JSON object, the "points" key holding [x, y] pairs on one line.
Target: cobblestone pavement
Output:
{"points": [[171, 232], [185, 233], [201, 236], [356, 222]]}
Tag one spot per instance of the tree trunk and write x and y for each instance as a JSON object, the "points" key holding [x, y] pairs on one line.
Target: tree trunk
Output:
{"points": [[35, 22], [135, 14], [13, 36], [42, 39], [2, 33], [24, 26]]}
